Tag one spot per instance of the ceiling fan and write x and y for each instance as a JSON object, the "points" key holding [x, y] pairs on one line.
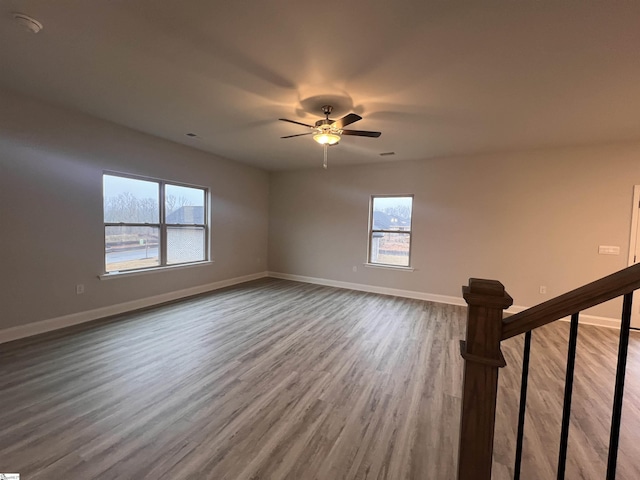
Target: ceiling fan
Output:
{"points": [[328, 132]]}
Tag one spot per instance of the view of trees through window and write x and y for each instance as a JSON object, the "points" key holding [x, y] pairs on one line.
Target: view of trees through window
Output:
{"points": [[138, 234], [390, 233]]}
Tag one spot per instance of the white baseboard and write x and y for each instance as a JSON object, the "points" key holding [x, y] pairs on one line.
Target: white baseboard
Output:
{"points": [[430, 297], [597, 321], [35, 328], [23, 331], [584, 318]]}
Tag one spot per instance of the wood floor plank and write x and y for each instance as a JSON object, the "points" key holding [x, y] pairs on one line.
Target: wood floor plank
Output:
{"points": [[282, 380], [594, 380]]}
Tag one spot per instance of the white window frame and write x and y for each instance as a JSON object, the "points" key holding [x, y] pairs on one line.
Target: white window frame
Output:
{"points": [[162, 225], [370, 261]]}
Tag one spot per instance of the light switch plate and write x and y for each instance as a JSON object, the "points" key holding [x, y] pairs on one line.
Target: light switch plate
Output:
{"points": [[608, 250]]}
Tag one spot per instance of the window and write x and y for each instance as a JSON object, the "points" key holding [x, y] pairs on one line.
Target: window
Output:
{"points": [[152, 223], [390, 230]]}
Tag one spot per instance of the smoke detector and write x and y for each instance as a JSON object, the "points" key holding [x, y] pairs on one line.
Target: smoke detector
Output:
{"points": [[27, 22]]}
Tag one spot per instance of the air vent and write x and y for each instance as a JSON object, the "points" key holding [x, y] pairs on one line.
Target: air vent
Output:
{"points": [[191, 134], [387, 154]]}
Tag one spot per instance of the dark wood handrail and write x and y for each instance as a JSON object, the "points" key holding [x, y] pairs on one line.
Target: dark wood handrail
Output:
{"points": [[589, 295]]}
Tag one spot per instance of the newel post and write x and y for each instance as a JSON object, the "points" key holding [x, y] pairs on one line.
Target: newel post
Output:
{"points": [[486, 299]]}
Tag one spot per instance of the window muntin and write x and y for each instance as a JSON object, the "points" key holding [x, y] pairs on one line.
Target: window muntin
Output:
{"points": [[390, 230], [152, 223]]}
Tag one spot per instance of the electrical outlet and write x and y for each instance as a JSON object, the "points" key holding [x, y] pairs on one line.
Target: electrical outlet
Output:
{"points": [[543, 289], [80, 289], [355, 269]]}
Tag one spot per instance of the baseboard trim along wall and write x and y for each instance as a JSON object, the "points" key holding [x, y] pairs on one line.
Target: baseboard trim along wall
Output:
{"points": [[35, 328], [430, 297]]}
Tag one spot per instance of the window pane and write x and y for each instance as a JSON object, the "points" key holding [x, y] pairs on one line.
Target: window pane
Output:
{"points": [[185, 244], [392, 213], [128, 248], [390, 248], [128, 200], [184, 204]]}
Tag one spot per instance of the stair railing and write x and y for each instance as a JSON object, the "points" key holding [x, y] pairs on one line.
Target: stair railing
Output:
{"points": [[486, 329]]}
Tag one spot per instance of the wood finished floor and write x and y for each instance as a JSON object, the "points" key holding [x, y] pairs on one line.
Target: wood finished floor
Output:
{"points": [[281, 380], [594, 380]]}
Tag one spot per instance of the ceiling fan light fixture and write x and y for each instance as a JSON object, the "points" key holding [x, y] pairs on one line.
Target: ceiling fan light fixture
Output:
{"points": [[326, 138]]}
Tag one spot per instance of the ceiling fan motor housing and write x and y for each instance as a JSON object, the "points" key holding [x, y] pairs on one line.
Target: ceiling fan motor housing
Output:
{"points": [[324, 123]]}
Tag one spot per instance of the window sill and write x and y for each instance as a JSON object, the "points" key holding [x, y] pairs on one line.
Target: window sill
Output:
{"points": [[389, 267], [133, 273]]}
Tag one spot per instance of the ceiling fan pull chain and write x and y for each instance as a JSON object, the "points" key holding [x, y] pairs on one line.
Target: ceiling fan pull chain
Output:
{"points": [[324, 165]]}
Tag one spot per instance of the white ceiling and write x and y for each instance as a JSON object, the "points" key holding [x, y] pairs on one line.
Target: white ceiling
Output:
{"points": [[438, 78]]}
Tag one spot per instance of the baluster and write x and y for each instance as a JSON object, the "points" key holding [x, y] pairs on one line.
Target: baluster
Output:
{"points": [[523, 403], [568, 392], [619, 388]]}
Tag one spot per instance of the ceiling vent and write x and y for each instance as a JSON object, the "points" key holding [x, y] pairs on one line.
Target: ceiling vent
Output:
{"points": [[26, 22]]}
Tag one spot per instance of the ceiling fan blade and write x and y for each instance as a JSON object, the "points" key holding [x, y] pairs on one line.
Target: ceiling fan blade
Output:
{"points": [[298, 135], [346, 120], [297, 123], [361, 133]]}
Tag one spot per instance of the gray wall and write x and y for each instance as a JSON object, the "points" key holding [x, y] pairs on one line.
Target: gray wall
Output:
{"points": [[526, 219], [51, 164]]}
